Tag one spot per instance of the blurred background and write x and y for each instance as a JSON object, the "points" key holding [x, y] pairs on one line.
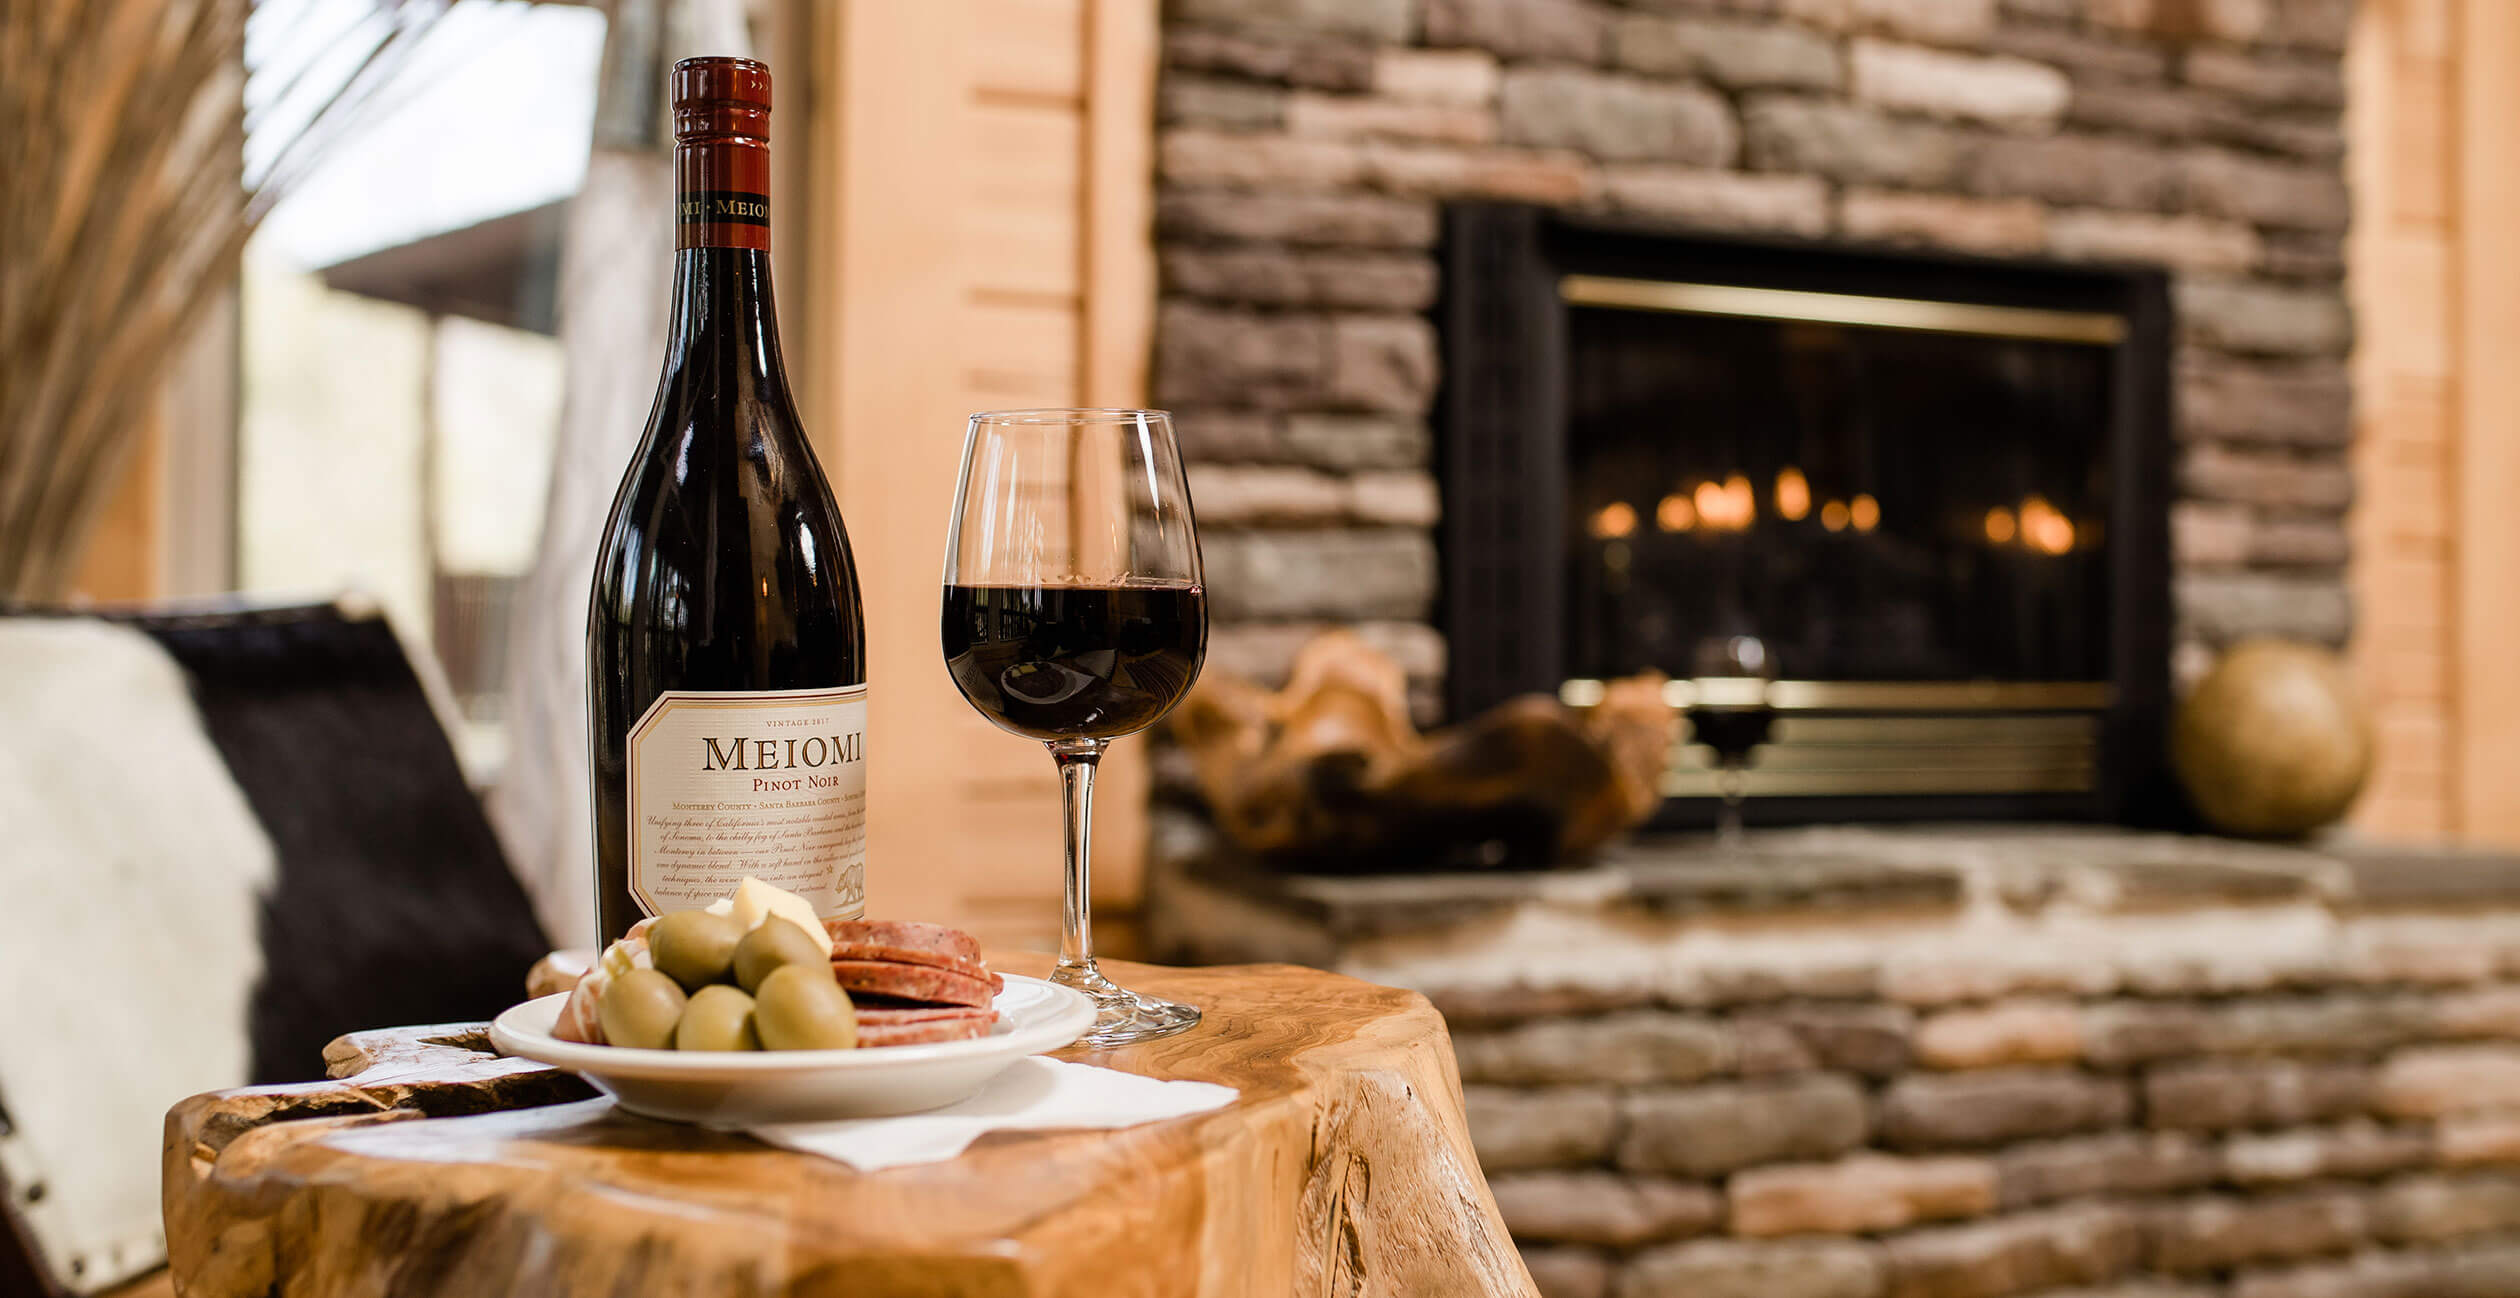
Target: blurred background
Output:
{"points": [[1262, 227], [1970, 377]]}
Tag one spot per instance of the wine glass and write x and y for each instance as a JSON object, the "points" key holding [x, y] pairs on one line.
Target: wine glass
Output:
{"points": [[1074, 615], [1730, 713]]}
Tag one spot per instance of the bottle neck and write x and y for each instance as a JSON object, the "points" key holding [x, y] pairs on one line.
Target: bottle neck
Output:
{"points": [[724, 322], [724, 319]]}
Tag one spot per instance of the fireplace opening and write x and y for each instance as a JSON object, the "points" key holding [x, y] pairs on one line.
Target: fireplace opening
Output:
{"points": [[1930, 490]]}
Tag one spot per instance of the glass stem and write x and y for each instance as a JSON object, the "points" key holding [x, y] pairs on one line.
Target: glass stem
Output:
{"points": [[1730, 778], [1078, 759]]}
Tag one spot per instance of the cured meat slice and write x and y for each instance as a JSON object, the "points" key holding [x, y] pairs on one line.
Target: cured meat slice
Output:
{"points": [[578, 1021], [997, 983], [906, 934], [911, 982], [919, 1033], [889, 1016], [969, 968], [917, 1024]]}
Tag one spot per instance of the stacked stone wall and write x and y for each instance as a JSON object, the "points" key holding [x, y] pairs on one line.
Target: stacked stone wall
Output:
{"points": [[2357, 1138], [1959, 1062]]}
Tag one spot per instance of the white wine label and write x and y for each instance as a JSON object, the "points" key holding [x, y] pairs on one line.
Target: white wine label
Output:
{"points": [[769, 783]]}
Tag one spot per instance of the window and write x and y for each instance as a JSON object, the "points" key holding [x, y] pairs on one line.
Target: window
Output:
{"points": [[401, 375]]}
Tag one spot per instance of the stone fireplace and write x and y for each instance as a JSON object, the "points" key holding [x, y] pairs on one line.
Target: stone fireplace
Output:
{"points": [[1307, 152]]}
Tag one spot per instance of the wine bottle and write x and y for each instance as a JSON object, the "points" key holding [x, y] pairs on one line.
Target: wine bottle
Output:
{"points": [[725, 645]]}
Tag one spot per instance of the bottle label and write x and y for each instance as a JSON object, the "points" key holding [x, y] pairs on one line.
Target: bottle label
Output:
{"points": [[708, 216], [722, 207], [768, 783]]}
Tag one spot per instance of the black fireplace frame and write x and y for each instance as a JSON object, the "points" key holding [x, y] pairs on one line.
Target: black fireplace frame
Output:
{"points": [[1501, 424]]}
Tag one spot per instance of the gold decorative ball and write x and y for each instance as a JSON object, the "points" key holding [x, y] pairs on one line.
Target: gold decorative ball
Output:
{"points": [[2272, 742]]}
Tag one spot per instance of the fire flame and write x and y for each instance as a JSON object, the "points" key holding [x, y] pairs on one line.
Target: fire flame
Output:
{"points": [[1793, 494], [2038, 525], [2043, 528]]}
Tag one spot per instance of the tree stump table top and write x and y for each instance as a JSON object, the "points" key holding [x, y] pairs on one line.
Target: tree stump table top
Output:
{"points": [[430, 1166]]}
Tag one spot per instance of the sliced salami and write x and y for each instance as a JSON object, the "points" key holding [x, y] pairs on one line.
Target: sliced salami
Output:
{"points": [[906, 934], [912, 982], [911, 1034], [890, 1016], [578, 1021], [842, 950], [996, 982]]}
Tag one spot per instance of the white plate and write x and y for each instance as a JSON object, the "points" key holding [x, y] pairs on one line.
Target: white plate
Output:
{"points": [[742, 1089]]}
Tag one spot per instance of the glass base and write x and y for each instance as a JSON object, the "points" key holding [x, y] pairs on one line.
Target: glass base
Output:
{"points": [[1125, 1016]]}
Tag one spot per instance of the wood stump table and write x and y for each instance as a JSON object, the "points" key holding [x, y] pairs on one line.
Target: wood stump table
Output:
{"points": [[432, 1167]]}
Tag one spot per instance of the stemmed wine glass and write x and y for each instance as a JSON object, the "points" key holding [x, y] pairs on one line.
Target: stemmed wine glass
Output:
{"points": [[1074, 614], [1730, 713]]}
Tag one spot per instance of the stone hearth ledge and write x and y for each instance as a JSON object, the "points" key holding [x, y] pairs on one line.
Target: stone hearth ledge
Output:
{"points": [[1917, 915]]}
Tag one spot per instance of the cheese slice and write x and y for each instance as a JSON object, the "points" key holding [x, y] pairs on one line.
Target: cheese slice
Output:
{"points": [[756, 901]]}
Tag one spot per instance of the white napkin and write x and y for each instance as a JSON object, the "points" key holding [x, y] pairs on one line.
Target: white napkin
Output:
{"points": [[1035, 1094]]}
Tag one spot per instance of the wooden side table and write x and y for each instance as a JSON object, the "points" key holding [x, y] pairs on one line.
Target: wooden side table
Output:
{"points": [[432, 1167]]}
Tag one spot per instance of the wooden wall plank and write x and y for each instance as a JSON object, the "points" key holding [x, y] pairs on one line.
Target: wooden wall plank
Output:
{"points": [[1022, 352], [901, 162], [1029, 48], [2410, 491], [2408, 670], [1024, 213], [1119, 197], [2418, 268], [965, 199], [2422, 178], [2420, 409], [2419, 602], [2416, 746], [1026, 248], [2401, 163], [2487, 569], [2424, 28], [1117, 258], [1024, 153]]}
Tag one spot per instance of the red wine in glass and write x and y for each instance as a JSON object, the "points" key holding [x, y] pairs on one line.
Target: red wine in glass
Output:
{"points": [[1068, 662]]}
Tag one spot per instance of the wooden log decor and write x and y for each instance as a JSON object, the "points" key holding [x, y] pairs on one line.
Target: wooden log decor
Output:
{"points": [[1328, 775], [432, 1169]]}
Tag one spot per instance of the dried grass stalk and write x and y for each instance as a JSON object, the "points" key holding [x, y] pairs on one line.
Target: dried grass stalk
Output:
{"points": [[123, 209]]}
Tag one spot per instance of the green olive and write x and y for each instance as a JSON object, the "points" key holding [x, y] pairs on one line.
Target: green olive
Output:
{"points": [[802, 1008], [694, 947], [718, 1018], [775, 942], [639, 1010]]}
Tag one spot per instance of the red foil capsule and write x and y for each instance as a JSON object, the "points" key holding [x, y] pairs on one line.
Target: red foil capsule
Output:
{"points": [[722, 153]]}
